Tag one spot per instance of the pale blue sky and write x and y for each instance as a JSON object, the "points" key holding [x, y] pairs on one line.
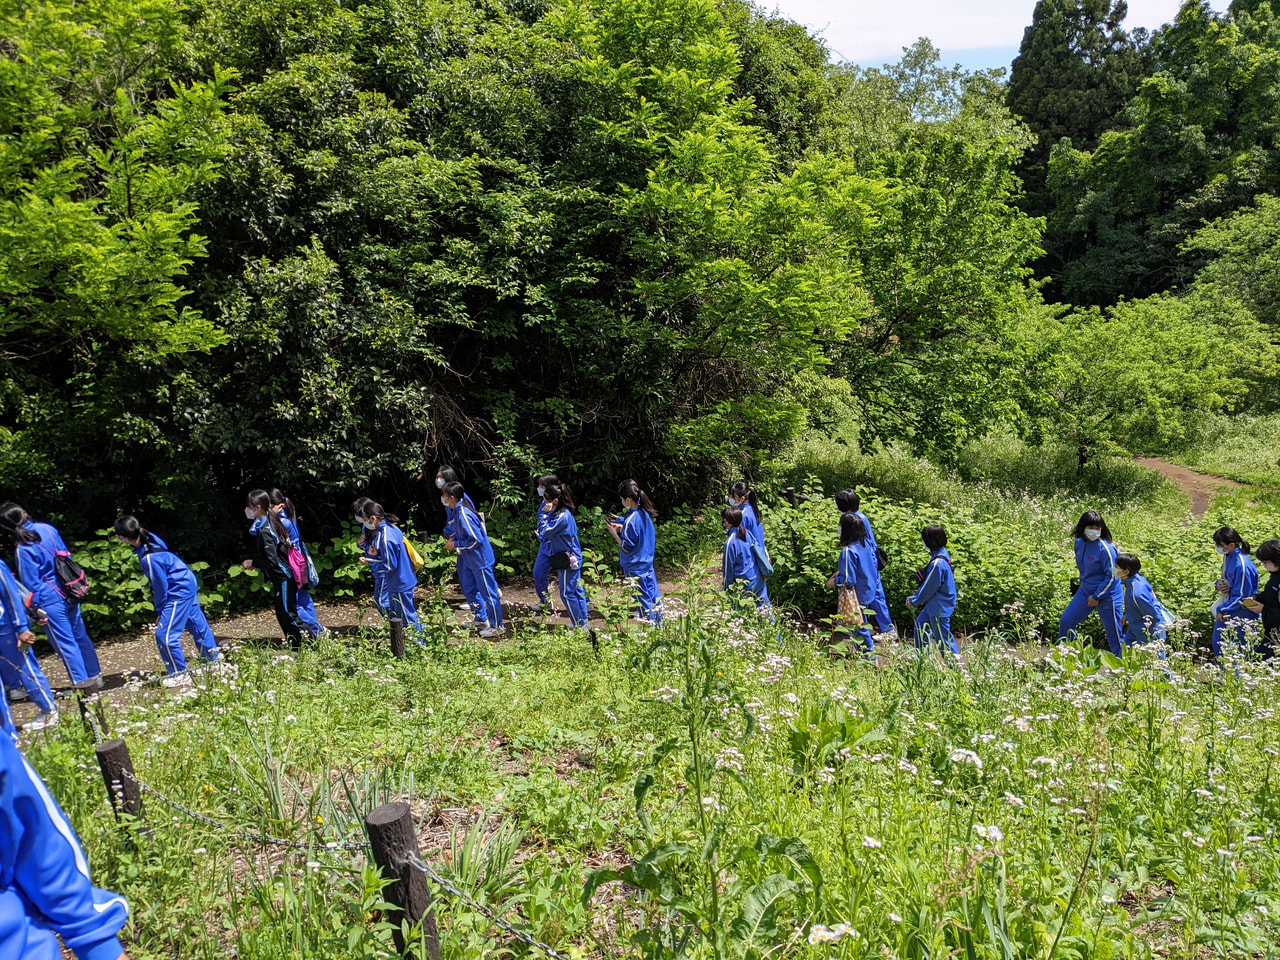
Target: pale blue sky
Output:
{"points": [[985, 33]]}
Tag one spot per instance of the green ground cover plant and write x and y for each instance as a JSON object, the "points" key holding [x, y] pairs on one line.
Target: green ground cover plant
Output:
{"points": [[1242, 448], [718, 787]]}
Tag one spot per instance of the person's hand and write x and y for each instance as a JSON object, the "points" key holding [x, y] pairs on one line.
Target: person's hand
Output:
{"points": [[909, 603], [546, 506], [26, 638], [1222, 618], [247, 565], [450, 545], [1093, 601], [1252, 605], [365, 560], [41, 618], [831, 584]]}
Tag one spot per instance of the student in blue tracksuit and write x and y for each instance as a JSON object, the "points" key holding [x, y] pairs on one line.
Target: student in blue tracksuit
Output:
{"points": [[271, 542], [742, 496], [936, 595], [852, 572], [1145, 618], [387, 555], [561, 535], [20, 663], [175, 594], [475, 555], [365, 543], [542, 562], [1099, 587], [637, 539], [45, 890], [283, 508], [848, 501], [466, 573], [1239, 582], [738, 562], [35, 548]]}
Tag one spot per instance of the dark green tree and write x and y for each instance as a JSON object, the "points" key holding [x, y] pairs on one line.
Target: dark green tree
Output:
{"points": [[1074, 74]]}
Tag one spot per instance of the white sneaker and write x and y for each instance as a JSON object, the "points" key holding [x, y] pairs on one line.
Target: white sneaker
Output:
{"points": [[182, 679], [18, 694], [95, 680], [45, 721], [489, 632]]}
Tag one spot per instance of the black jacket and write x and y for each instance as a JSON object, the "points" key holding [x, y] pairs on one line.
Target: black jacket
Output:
{"points": [[1269, 597]]}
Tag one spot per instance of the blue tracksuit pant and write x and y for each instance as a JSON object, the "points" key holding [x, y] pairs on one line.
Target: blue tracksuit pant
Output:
{"points": [[401, 606], [1234, 628], [648, 599], [182, 613], [879, 607], [307, 612], [471, 588], [488, 604], [935, 629], [67, 633], [542, 573], [1110, 610], [573, 595], [23, 670]]}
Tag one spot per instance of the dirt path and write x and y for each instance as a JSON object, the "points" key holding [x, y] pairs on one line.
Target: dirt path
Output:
{"points": [[1200, 487]]}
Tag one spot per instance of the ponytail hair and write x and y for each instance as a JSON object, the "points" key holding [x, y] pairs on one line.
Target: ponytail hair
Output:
{"points": [[733, 517], [742, 489], [631, 490], [1225, 535], [129, 528], [374, 509], [12, 517], [279, 499], [559, 491], [261, 500]]}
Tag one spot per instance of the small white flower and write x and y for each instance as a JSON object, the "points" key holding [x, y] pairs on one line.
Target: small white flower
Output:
{"points": [[895, 918], [871, 843]]}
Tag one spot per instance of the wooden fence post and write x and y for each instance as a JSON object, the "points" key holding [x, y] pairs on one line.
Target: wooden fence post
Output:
{"points": [[397, 638], [123, 790], [394, 840]]}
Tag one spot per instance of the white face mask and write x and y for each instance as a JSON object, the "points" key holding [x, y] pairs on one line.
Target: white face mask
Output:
{"points": [[1118, 573], [1222, 551], [1092, 533], [444, 501], [439, 483], [542, 491], [249, 514]]}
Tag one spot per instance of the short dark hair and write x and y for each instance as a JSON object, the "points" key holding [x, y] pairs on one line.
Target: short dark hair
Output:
{"points": [[732, 516], [1129, 563], [1091, 518], [455, 490], [935, 537], [1269, 550], [847, 501]]}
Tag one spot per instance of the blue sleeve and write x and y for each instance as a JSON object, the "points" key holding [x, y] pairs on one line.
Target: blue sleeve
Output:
{"points": [[871, 536], [1109, 552], [15, 602], [28, 563], [845, 576], [556, 524], [1237, 581], [632, 532], [158, 577], [1080, 547], [39, 850], [450, 519], [1144, 601], [467, 532], [930, 585]]}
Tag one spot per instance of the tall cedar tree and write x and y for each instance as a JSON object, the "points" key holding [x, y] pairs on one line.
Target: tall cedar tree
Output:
{"points": [[1074, 73]]}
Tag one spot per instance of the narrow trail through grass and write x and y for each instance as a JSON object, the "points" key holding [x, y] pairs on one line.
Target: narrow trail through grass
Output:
{"points": [[1200, 487]]}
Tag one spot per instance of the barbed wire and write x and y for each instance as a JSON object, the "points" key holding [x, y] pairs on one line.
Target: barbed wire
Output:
{"points": [[480, 908], [264, 838]]}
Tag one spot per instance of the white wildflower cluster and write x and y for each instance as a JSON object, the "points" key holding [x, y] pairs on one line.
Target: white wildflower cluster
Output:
{"points": [[966, 756], [988, 832], [820, 934]]}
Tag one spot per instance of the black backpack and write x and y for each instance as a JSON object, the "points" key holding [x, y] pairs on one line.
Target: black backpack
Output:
{"points": [[73, 582]]}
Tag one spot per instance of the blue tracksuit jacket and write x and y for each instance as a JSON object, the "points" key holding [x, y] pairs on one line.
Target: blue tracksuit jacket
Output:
{"points": [[639, 540], [1095, 561], [45, 889], [392, 560], [936, 595], [1146, 615]]}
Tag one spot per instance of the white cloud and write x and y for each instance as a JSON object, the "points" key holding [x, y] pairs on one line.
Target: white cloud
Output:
{"points": [[869, 32]]}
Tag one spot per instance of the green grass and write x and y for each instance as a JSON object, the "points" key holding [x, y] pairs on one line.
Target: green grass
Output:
{"points": [[751, 790], [1240, 447]]}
